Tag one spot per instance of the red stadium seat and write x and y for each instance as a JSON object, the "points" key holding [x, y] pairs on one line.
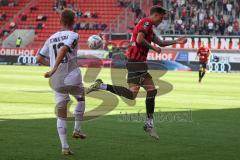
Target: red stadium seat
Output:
{"points": [[107, 11]]}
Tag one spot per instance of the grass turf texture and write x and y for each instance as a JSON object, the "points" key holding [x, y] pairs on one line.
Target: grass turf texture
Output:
{"points": [[28, 124]]}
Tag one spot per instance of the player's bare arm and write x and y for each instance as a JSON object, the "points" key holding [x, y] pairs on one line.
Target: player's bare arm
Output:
{"points": [[164, 43], [42, 60], [141, 40], [197, 57], [63, 51]]}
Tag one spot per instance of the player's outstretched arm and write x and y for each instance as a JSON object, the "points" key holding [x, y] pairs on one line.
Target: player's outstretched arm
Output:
{"points": [[164, 43], [63, 51], [141, 40]]}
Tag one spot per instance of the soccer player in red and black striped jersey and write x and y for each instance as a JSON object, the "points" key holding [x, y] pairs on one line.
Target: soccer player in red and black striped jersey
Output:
{"points": [[138, 76], [203, 53]]}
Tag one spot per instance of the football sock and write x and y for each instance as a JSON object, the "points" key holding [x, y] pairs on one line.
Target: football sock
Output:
{"points": [[149, 122], [200, 74], [203, 73], [150, 103], [62, 132], [103, 86], [121, 91], [79, 112]]}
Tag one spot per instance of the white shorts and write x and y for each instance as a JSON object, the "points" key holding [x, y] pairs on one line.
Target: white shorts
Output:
{"points": [[72, 86]]}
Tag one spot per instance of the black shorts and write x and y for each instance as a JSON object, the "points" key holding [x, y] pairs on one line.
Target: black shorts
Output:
{"points": [[137, 72], [202, 65]]}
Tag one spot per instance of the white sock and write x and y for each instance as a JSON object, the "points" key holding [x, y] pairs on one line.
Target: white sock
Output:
{"points": [[77, 126], [79, 112], [150, 122], [62, 132], [103, 86]]}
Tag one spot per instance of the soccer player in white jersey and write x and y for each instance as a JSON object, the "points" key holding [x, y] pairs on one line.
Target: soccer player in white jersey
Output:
{"points": [[60, 52]]}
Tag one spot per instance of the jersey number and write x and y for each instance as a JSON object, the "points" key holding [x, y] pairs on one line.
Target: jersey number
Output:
{"points": [[56, 47]]}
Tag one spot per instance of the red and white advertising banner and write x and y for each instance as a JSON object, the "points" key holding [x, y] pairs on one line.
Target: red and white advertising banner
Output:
{"points": [[17, 52], [229, 57], [232, 43], [171, 56]]}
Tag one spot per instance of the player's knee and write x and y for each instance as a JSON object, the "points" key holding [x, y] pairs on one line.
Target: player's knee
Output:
{"points": [[62, 105], [62, 109], [133, 96], [151, 93]]}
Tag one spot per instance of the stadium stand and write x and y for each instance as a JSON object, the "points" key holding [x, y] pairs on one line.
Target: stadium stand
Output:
{"points": [[43, 16], [9, 8], [201, 17]]}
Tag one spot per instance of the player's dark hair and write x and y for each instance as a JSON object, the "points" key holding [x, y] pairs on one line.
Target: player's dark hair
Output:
{"points": [[158, 9], [67, 17]]}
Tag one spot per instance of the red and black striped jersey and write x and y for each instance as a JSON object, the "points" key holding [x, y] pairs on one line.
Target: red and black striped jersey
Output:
{"points": [[203, 53], [138, 52]]}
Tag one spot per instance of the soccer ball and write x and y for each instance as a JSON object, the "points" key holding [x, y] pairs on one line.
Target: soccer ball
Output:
{"points": [[94, 42]]}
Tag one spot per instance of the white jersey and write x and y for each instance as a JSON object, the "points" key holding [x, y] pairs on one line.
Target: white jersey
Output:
{"points": [[68, 72]]}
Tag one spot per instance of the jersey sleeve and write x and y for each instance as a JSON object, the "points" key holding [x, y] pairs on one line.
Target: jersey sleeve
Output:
{"points": [[72, 41], [144, 26], [44, 51]]}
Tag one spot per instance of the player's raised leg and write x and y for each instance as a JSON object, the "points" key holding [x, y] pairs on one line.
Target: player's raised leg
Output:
{"points": [[130, 93]]}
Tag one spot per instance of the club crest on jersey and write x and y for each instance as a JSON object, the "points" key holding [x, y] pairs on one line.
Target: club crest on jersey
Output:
{"points": [[146, 25]]}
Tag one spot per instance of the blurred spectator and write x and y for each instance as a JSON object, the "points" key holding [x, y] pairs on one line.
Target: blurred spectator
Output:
{"points": [[59, 5], [12, 4], [77, 26], [13, 25], [210, 27], [5, 32], [23, 17], [3, 2], [82, 25], [230, 29], [89, 26], [221, 27], [103, 26], [86, 26], [110, 49], [79, 14], [87, 14], [236, 27], [41, 18], [18, 42], [94, 15], [229, 8], [40, 26], [123, 3], [3, 16], [33, 8]]}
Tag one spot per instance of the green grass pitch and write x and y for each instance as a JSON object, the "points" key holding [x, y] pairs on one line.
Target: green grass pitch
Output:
{"points": [[196, 122]]}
